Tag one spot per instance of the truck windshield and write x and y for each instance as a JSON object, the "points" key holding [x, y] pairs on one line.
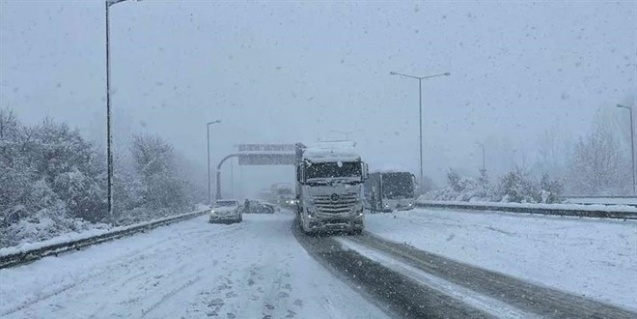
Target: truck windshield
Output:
{"points": [[398, 185], [333, 169]]}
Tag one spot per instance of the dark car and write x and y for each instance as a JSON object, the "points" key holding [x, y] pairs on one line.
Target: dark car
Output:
{"points": [[258, 207]]}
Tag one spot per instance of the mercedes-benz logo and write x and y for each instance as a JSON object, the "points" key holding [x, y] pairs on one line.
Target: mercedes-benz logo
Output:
{"points": [[334, 197]]}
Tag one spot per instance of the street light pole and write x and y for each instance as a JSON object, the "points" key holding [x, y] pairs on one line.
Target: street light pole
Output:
{"points": [[420, 125], [109, 135], [632, 144], [109, 155], [208, 162], [420, 78], [483, 156]]}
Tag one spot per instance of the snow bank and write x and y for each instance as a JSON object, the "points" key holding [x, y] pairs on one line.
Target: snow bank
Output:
{"points": [[593, 258], [573, 207], [45, 225], [516, 186], [100, 229], [603, 200]]}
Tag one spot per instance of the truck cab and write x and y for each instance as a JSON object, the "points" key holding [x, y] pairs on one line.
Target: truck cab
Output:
{"points": [[329, 189]]}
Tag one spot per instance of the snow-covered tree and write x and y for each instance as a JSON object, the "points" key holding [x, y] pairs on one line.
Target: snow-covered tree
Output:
{"points": [[598, 165], [517, 186], [53, 181], [162, 189]]}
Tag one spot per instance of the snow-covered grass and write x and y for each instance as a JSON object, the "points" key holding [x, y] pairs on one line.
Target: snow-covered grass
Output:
{"points": [[191, 269], [603, 201], [589, 257], [100, 229], [574, 207], [45, 226]]}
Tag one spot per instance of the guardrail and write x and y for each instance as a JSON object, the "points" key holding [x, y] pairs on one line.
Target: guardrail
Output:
{"points": [[598, 196], [25, 256], [592, 211]]}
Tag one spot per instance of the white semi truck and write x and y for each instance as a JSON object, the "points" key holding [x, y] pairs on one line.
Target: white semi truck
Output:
{"points": [[329, 187]]}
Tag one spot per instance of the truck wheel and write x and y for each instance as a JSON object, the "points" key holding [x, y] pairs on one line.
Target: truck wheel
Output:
{"points": [[304, 229]]}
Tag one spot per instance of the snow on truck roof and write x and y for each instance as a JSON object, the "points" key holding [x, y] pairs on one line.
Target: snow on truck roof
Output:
{"points": [[389, 171], [389, 168], [342, 151]]}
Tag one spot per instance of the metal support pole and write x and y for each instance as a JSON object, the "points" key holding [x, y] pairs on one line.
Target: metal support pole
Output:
{"points": [[420, 120], [208, 162], [109, 151], [232, 178], [218, 184], [632, 149], [632, 145], [420, 78], [484, 167]]}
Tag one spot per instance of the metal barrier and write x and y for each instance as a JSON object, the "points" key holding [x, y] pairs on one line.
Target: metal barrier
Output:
{"points": [[29, 255], [590, 212]]}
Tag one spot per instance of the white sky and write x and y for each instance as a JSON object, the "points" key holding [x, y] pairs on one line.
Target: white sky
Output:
{"points": [[294, 71]]}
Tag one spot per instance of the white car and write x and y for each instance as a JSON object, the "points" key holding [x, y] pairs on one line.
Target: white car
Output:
{"points": [[226, 211]]}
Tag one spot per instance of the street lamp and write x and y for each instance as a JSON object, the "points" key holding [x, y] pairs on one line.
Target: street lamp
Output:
{"points": [[109, 137], [208, 146], [484, 169], [420, 78], [632, 144]]}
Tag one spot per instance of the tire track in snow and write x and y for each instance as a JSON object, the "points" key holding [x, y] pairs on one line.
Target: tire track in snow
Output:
{"points": [[522, 295], [168, 295], [397, 295]]}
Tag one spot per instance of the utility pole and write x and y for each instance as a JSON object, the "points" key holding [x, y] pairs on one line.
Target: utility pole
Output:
{"points": [[484, 168], [420, 78], [632, 144], [109, 131], [109, 154], [208, 162]]}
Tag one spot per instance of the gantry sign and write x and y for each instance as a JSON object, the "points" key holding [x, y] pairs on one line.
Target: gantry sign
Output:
{"points": [[260, 154]]}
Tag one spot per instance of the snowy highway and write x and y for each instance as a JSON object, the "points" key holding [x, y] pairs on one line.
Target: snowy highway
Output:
{"points": [[456, 265], [192, 269]]}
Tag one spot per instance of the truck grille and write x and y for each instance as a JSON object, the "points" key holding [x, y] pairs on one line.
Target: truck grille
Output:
{"points": [[343, 203]]}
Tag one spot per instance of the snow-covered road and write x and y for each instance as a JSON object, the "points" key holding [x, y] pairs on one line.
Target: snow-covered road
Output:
{"points": [[258, 269], [593, 258], [192, 269]]}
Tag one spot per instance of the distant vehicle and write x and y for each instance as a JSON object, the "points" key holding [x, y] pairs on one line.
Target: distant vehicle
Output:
{"points": [[283, 195], [329, 188], [259, 207], [225, 211], [387, 191]]}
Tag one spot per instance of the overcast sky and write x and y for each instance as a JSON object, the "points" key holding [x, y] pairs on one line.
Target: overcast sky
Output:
{"points": [[295, 71]]}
